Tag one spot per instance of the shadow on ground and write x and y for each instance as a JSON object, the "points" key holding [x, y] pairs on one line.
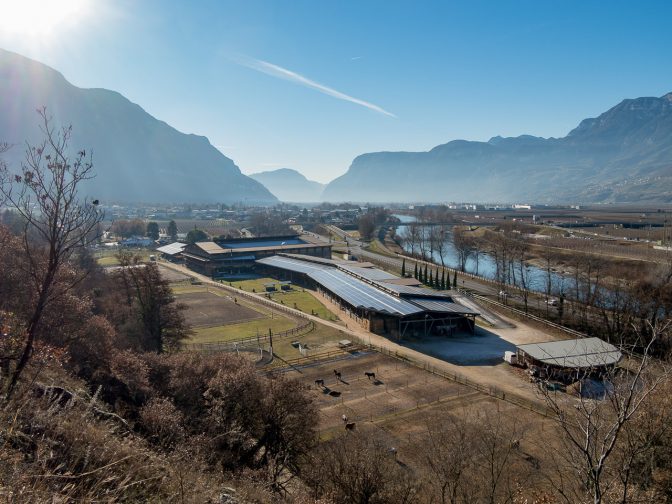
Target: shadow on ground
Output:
{"points": [[464, 349]]}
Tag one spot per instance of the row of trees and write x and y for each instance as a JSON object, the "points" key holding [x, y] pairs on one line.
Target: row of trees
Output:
{"points": [[137, 227], [430, 277]]}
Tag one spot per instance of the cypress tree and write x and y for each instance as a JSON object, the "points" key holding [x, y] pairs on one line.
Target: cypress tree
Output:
{"points": [[424, 276], [431, 279], [455, 280], [443, 280], [403, 268], [415, 273]]}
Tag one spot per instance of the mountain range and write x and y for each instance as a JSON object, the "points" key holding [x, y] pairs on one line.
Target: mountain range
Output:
{"points": [[622, 156], [290, 185], [136, 157]]}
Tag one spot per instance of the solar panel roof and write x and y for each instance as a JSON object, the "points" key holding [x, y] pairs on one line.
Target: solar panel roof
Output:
{"points": [[369, 273], [345, 286], [442, 305], [361, 294], [410, 291], [291, 264]]}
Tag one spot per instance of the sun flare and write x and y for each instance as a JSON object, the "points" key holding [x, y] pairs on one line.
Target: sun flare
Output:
{"points": [[40, 19]]}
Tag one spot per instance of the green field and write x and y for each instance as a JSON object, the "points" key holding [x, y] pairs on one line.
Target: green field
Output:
{"points": [[296, 298], [243, 330], [109, 257], [304, 301]]}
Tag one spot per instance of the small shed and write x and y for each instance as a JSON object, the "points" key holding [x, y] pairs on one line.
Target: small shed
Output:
{"points": [[570, 358]]}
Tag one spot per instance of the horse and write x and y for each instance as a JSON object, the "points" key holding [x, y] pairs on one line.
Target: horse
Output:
{"points": [[319, 383], [370, 375], [337, 374]]}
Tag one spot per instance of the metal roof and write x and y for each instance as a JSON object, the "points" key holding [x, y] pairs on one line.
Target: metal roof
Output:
{"points": [[361, 294], [576, 353], [291, 264], [368, 273], [410, 291], [172, 249], [315, 259], [209, 247], [355, 292], [442, 305]]}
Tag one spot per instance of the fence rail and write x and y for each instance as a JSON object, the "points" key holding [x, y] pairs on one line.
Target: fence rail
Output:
{"points": [[463, 380], [229, 345]]}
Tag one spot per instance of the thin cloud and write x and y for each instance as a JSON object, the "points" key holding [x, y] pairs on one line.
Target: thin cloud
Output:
{"points": [[283, 73], [356, 58]]}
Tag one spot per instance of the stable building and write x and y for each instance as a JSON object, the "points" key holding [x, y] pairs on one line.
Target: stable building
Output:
{"points": [[172, 252], [568, 360], [236, 258], [374, 298]]}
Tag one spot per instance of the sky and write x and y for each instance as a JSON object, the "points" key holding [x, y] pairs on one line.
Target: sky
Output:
{"points": [[312, 85]]}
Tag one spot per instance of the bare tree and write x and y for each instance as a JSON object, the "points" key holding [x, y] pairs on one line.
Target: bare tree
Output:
{"points": [[598, 442], [442, 243], [359, 469], [47, 196], [463, 246]]}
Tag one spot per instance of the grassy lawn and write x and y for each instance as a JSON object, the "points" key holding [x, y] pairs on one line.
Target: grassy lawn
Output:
{"points": [[109, 257], [304, 301], [107, 260], [296, 298], [256, 285], [243, 330]]}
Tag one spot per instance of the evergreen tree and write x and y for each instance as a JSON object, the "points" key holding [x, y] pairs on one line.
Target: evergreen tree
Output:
{"points": [[403, 268], [455, 280], [415, 273], [152, 230], [424, 276], [431, 279], [443, 280], [172, 230]]}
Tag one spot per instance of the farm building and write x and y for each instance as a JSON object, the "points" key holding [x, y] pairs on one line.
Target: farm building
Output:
{"points": [[172, 252], [235, 258], [570, 359], [375, 298]]}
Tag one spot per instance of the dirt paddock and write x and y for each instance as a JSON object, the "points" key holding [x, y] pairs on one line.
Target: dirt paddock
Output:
{"points": [[404, 403], [206, 309]]}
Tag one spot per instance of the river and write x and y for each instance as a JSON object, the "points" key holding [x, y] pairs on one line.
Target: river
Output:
{"points": [[485, 265]]}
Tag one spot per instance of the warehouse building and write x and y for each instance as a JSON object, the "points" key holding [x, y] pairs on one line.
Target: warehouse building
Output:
{"points": [[374, 298], [236, 258]]}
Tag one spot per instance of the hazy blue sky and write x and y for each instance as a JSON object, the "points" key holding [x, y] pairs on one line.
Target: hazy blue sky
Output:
{"points": [[310, 85]]}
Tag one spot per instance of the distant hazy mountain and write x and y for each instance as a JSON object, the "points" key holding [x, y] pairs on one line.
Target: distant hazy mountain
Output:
{"points": [[624, 155], [290, 185], [136, 157]]}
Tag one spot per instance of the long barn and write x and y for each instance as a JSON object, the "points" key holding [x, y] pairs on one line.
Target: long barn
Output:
{"points": [[381, 302]]}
